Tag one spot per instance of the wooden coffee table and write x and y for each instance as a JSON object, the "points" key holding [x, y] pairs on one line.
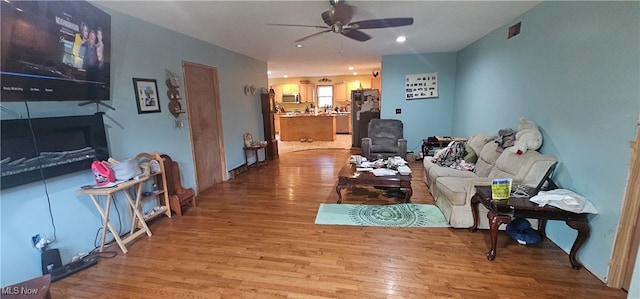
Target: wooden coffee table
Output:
{"points": [[348, 176]]}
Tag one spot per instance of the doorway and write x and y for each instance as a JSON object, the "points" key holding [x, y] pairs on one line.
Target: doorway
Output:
{"points": [[205, 121]]}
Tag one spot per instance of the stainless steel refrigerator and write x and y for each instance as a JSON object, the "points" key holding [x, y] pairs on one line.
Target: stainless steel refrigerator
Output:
{"points": [[365, 106]]}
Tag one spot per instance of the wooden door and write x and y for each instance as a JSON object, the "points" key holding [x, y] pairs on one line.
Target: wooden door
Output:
{"points": [[205, 121]]}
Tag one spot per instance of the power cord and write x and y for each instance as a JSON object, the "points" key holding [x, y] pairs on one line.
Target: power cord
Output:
{"points": [[46, 189]]}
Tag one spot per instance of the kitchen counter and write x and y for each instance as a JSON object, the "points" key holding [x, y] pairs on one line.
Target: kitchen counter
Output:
{"points": [[303, 126]]}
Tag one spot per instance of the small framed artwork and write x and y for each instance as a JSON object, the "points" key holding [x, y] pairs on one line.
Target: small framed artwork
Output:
{"points": [[146, 95]]}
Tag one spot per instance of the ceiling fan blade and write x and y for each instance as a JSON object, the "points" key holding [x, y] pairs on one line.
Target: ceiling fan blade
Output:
{"points": [[342, 13], [357, 35], [312, 35], [326, 17], [381, 23], [296, 25]]}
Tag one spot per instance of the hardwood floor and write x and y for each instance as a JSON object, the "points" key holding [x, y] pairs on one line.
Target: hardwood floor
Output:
{"points": [[254, 237]]}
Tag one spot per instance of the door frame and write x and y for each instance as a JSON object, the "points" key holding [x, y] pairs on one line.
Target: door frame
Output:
{"points": [[626, 242]]}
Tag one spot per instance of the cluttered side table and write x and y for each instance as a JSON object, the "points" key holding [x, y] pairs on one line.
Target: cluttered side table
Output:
{"points": [[502, 211], [138, 219]]}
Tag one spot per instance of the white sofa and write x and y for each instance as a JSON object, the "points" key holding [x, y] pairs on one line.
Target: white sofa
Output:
{"points": [[452, 189]]}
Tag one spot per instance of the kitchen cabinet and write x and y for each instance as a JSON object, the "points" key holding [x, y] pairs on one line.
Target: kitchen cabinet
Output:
{"points": [[340, 92], [376, 83], [317, 128], [290, 89], [343, 123], [307, 93]]}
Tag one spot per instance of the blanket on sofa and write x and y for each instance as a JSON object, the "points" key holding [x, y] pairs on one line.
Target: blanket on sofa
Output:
{"points": [[452, 156]]}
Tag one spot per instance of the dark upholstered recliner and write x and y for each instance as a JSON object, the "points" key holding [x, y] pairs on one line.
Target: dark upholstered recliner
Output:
{"points": [[386, 139]]}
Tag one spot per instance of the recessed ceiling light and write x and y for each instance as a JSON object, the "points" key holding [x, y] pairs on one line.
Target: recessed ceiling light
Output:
{"points": [[401, 39], [351, 68], [355, 73], [286, 76], [298, 46], [268, 72]]}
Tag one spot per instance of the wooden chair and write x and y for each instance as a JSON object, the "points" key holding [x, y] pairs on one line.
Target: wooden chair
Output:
{"points": [[178, 195]]}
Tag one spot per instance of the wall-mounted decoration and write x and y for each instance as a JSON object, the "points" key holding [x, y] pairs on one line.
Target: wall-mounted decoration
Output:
{"points": [[254, 90], [421, 86], [175, 108], [146, 95]]}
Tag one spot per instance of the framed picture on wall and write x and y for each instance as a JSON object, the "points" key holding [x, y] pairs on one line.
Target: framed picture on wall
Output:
{"points": [[421, 86], [147, 98]]}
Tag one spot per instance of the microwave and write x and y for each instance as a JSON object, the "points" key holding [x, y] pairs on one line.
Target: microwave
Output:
{"points": [[290, 98]]}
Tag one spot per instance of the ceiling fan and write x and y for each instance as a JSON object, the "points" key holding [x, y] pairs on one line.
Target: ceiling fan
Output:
{"points": [[338, 20]]}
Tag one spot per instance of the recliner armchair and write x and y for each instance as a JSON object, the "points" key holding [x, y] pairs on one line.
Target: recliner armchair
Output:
{"points": [[386, 139]]}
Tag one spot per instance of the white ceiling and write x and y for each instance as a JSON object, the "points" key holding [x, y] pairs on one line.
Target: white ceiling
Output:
{"points": [[240, 26]]}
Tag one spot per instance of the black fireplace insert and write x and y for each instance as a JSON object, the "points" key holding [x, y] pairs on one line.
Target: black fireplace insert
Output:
{"points": [[43, 148]]}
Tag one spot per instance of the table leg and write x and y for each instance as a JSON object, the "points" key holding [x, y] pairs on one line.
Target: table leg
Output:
{"points": [[138, 216], [339, 189], [474, 213], [408, 191], [495, 221], [107, 224], [583, 234]]}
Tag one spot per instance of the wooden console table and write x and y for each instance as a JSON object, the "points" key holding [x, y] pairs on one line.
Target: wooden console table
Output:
{"points": [[254, 149], [504, 210], [137, 217]]}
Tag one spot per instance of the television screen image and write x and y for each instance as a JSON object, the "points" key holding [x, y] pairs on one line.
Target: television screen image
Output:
{"points": [[54, 51]]}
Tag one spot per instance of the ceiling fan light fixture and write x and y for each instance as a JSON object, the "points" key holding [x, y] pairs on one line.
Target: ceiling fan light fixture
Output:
{"points": [[401, 39]]}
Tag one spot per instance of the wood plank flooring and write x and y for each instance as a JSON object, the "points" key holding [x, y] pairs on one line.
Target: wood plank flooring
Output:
{"points": [[254, 237]]}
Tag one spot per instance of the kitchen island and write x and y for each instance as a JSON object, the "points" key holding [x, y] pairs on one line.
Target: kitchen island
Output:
{"points": [[314, 127]]}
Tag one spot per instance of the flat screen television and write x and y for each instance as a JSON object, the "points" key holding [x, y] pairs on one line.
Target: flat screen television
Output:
{"points": [[54, 51]]}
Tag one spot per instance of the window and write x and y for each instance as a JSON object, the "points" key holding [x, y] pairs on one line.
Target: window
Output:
{"points": [[325, 96]]}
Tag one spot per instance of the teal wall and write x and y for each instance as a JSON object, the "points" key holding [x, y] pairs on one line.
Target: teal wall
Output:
{"points": [[138, 50], [421, 117], [574, 69]]}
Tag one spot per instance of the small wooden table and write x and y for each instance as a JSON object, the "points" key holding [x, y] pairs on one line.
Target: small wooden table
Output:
{"points": [[503, 211], [446, 139], [349, 176], [137, 218], [254, 149]]}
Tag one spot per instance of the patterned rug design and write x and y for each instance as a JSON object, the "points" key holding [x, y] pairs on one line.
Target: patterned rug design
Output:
{"points": [[396, 215]]}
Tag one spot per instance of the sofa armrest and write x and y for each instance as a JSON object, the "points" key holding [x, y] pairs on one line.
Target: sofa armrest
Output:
{"points": [[365, 146], [470, 187]]}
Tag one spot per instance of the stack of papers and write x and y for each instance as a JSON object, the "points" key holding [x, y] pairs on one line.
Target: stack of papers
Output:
{"points": [[383, 172], [364, 168]]}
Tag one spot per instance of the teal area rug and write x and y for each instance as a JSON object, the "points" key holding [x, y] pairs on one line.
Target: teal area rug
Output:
{"points": [[398, 215]]}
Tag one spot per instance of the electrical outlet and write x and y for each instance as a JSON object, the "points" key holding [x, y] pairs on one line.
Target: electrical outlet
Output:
{"points": [[398, 111]]}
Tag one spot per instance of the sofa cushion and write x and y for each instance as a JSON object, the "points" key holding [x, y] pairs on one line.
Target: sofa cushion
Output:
{"points": [[477, 142], [384, 144], [470, 155], [487, 159], [453, 188]]}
